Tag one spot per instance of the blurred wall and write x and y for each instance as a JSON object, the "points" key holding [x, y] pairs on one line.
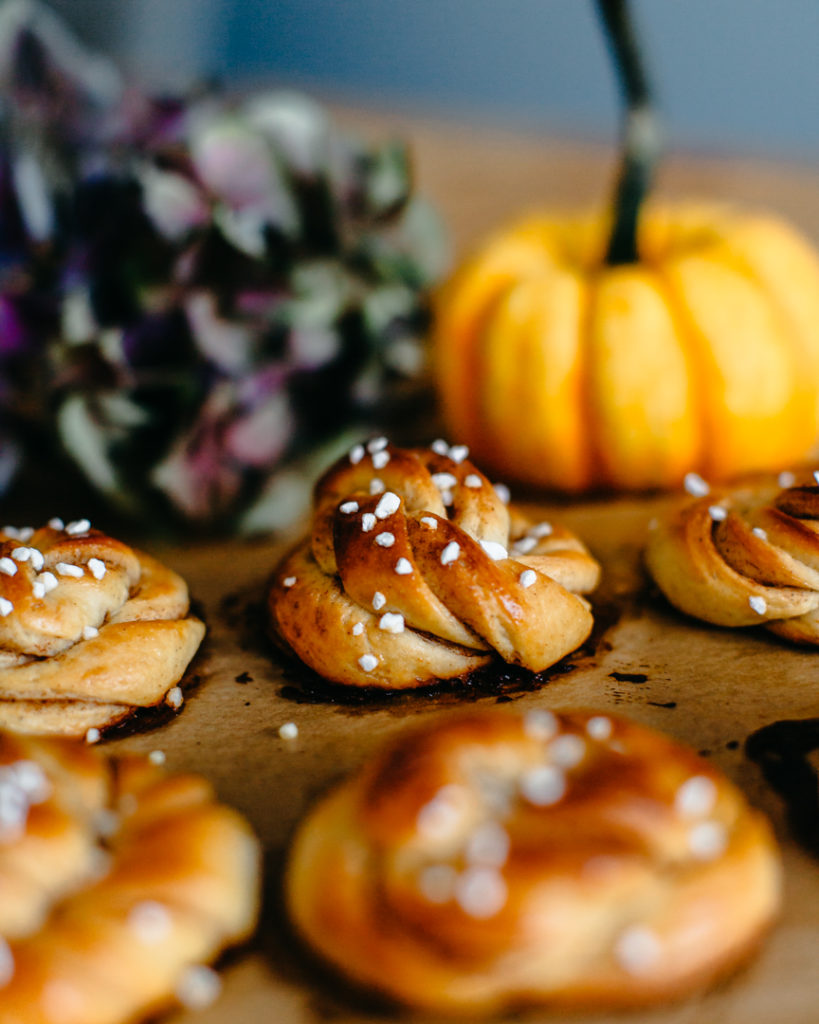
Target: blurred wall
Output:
{"points": [[730, 74]]}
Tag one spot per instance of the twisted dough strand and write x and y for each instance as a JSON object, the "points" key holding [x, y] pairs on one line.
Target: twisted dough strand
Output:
{"points": [[744, 558], [415, 570]]}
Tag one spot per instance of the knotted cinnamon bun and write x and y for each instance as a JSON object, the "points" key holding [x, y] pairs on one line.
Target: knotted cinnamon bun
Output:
{"points": [[744, 558], [416, 570], [119, 883], [90, 630], [495, 860]]}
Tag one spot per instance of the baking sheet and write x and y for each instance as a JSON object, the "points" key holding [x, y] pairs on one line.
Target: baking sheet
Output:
{"points": [[705, 686]]}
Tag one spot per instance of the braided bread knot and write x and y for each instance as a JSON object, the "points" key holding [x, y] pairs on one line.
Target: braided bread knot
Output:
{"points": [[118, 883], [744, 558], [491, 860], [90, 629], [416, 570]]}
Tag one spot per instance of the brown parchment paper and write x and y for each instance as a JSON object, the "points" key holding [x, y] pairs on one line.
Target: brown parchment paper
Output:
{"points": [[705, 686]]}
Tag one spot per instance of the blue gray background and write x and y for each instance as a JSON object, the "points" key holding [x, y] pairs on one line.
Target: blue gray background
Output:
{"points": [[738, 75]]}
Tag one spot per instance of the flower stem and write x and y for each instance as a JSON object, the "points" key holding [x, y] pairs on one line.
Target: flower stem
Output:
{"points": [[641, 136]]}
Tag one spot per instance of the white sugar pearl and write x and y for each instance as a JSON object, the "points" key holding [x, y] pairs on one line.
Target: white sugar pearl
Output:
{"points": [[150, 921], [49, 581], [92, 735], [458, 452], [67, 569], [481, 892], [368, 522], [488, 845], [289, 581], [288, 731], [376, 485], [157, 757], [367, 662], [198, 987], [444, 481], [358, 629], [696, 797], [695, 485], [6, 607], [599, 727], [567, 750], [717, 513], [473, 481], [388, 504], [540, 724], [98, 568], [758, 604], [78, 526], [175, 698], [524, 545], [357, 454], [637, 949], [527, 578], [543, 786], [430, 522], [385, 540], [56, 523], [707, 840], [403, 567], [450, 553], [440, 447], [378, 600], [391, 622], [8, 567], [377, 444], [380, 459], [89, 632], [502, 492], [347, 508], [495, 551]]}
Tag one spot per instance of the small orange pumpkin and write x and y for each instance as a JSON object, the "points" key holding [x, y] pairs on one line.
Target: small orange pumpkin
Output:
{"points": [[566, 372], [624, 350]]}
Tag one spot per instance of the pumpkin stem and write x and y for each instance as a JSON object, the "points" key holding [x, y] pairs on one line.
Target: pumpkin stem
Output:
{"points": [[641, 137]]}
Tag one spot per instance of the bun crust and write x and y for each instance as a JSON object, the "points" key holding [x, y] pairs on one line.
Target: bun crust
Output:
{"points": [[496, 860], [744, 558], [415, 570], [116, 879], [90, 630]]}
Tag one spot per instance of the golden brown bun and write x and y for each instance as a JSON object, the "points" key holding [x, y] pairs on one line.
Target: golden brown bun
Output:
{"points": [[116, 881], [744, 558], [495, 860], [428, 576], [90, 630]]}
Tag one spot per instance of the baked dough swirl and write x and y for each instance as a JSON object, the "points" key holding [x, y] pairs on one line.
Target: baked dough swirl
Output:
{"points": [[415, 570], [746, 557], [90, 629], [495, 860], [118, 883]]}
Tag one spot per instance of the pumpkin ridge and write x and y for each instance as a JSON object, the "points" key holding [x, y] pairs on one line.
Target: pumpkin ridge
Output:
{"points": [[791, 334], [694, 349], [595, 473]]}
